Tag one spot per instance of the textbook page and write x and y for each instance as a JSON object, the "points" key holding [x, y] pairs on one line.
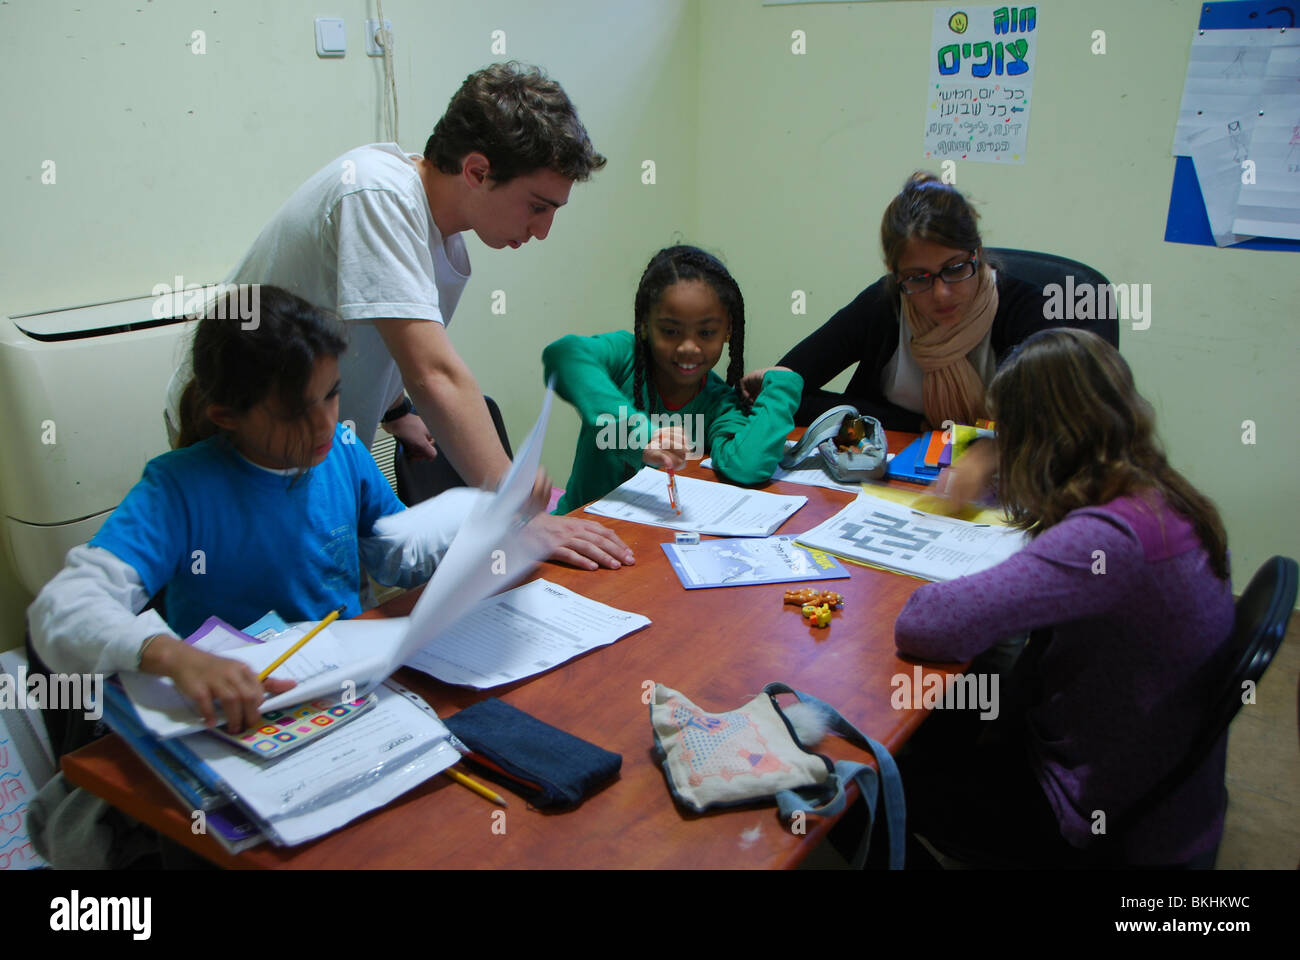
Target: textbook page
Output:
{"points": [[522, 632], [884, 534], [716, 509]]}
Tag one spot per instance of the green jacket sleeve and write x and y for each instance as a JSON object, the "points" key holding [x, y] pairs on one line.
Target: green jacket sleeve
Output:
{"points": [[746, 449], [588, 371]]}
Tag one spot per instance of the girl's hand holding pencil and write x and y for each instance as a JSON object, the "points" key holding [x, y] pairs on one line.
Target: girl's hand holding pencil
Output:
{"points": [[208, 680]]}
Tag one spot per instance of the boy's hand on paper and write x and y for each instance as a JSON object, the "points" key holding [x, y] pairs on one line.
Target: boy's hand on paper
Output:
{"points": [[667, 449], [967, 479], [582, 543], [416, 439], [208, 680], [751, 384]]}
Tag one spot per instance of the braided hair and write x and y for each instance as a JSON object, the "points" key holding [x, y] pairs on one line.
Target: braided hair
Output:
{"points": [[672, 265]]}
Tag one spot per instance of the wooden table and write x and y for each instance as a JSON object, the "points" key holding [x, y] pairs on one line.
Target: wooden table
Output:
{"points": [[718, 646]]}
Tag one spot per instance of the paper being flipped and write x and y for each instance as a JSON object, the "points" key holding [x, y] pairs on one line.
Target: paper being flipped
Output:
{"points": [[492, 551]]}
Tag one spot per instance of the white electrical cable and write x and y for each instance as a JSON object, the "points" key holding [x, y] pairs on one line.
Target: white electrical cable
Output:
{"points": [[384, 38]]}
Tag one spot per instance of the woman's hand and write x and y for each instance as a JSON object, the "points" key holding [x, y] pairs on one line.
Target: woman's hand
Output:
{"points": [[968, 478], [416, 439], [667, 449], [208, 680], [751, 384]]}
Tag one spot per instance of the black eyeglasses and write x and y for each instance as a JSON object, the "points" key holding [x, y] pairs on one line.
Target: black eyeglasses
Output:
{"points": [[954, 274]]}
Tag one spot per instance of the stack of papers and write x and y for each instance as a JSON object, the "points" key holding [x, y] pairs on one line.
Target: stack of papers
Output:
{"points": [[372, 760], [716, 509], [884, 534]]}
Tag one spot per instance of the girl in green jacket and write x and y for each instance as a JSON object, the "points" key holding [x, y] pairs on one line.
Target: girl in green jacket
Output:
{"points": [[649, 396]]}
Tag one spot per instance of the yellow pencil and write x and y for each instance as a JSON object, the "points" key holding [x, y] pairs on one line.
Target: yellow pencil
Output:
{"points": [[477, 787], [334, 615]]}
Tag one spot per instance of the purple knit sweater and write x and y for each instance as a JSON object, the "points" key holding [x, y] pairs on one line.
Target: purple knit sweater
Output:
{"points": [[1136, 657]]}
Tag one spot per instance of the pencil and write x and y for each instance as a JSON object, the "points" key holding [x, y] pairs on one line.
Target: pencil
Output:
{"points": [[334, 615], [477, 787]]}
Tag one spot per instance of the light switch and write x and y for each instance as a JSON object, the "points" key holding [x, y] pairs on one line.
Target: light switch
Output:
{"points": [[330, 39]]}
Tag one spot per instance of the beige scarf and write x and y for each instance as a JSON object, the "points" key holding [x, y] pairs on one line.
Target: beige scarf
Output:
{"points": [[951, 388]]}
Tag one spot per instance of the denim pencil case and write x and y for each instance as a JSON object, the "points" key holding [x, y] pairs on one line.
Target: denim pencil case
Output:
{"points": [[546, 766]]}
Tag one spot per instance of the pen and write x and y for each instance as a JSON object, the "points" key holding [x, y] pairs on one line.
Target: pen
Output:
{"points": [[672, 493], [333, 615]]}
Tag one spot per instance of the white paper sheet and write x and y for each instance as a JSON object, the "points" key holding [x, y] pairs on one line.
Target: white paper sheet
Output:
{"points": [[888, 535], [716, 509], [1217, 158], [520, 633], [1231, 74]]}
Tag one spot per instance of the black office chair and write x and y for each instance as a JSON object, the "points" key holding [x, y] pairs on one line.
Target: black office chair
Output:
{"points": [[1041, 269], [418, 480], [1260, 622]]}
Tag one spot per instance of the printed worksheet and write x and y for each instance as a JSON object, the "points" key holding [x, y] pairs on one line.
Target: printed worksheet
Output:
{"points": [[717, 509], [521, 633], [884, 534]]}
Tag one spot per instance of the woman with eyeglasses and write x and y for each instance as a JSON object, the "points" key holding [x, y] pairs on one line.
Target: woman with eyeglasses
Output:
{"points": [[929, 335]]}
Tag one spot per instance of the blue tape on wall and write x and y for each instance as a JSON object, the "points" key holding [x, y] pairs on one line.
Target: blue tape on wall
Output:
{"points": [[1187, 221]]}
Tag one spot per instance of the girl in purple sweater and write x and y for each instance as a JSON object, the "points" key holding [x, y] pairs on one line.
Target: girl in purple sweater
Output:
{"points": [[1125, 590]]}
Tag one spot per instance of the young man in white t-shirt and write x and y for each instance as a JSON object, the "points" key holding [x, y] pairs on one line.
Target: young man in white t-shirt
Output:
{"points": [[375, 236]]}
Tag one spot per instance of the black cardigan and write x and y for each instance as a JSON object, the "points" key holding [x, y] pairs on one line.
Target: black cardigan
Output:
{"points": [[866, 332]]}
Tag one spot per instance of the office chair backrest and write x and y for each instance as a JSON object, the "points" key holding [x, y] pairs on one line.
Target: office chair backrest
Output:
{"points": [[418, 480], [1259, 624], [1041, 269]]}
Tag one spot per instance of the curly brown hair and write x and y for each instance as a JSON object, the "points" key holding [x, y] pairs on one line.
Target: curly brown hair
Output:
{"points": [[520, 120], [1074, 432]]}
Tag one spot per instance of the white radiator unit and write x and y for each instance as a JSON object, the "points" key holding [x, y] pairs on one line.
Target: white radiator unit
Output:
{"points": [[81, 400]]}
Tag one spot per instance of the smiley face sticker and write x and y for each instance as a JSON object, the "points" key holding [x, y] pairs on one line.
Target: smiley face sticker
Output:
{"points": [[958, 22]]}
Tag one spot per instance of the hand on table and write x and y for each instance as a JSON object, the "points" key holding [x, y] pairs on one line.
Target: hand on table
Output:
{"points": [[582, 543]]}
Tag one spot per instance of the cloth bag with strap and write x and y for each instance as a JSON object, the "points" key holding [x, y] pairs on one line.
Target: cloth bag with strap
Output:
{"points": [[752, 753]]}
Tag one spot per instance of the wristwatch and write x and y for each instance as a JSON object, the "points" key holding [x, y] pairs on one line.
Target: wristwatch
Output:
{"points": [[398, 411]]}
